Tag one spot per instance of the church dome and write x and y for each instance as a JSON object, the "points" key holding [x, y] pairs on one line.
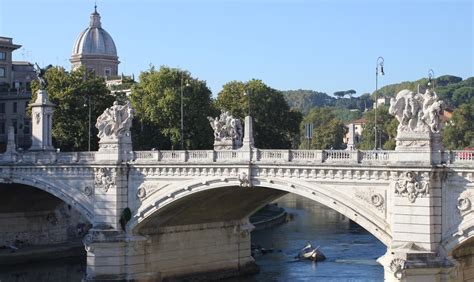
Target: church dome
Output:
{"points": [[94, 40]]}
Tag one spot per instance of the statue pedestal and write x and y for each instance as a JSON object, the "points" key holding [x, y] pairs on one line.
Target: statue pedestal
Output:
{"points": [[42, 123], [115, 149], [419, 147], [227, 144]]}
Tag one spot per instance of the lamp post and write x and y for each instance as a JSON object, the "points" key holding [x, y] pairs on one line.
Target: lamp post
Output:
{"points": [[89, 127], [378, 69], [182, 112], [247, 93], [431, 76]]}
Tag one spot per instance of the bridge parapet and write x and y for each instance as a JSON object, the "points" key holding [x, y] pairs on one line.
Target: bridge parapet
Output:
{"points": [[374, 157]]}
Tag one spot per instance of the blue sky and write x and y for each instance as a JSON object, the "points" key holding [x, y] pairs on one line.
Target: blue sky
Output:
{"points": [[290, 44]]}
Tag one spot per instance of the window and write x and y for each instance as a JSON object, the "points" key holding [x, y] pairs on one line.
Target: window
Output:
{"points": [[14, 124], [2, 72], [26, 126], [14, 107], [2, 127], [107, 72], [2, 108], [3, 56]]}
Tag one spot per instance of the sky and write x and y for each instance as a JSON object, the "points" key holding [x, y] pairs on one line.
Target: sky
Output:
{"points": [[322, 45]]}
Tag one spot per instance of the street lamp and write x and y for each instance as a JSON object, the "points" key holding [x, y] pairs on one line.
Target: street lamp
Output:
{"points": [[89, 134], [247, 93], [182, 111], [378, 70], [431, 76]]}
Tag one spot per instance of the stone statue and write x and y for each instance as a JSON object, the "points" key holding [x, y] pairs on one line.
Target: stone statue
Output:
{"points": [[228, 131], [226, 127], [416, 112], [115, 121], [40, 75]]}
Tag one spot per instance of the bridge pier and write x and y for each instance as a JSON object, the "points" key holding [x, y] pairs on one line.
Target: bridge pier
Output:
{"points": [[114, 255], [417, 266]]}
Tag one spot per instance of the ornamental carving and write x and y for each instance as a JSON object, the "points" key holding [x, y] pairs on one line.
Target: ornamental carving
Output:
{"points": [[411, 187], [244, 180], [88, 191], [105, 178], [417, 112], [370, 197], [88, 240], [37, 117], [397, 266], [141, 192], [464, 203], [115, 121]]}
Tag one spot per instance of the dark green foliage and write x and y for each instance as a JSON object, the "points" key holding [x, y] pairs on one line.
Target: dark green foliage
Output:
{"points": [[69, 91], [386, 128], [459, 133], [304, 100], [445, 80], [157, 103], [274, 124], [328, 131], [125, 217]]}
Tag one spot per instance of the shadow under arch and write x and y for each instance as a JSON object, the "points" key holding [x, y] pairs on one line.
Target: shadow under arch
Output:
{"points": [[57, 191], [163, 204]]}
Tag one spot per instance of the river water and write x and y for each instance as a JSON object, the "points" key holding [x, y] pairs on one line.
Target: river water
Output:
{"points": [[351, 251]]}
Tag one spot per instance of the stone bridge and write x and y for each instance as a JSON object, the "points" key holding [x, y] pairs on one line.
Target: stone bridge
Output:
{"points": [[167, 214], [197, 204]]}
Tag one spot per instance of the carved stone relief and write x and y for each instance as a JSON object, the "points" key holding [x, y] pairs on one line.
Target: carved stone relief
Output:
{"points": [[464, 203], [88, 191], [105, 178], [397, 266], [411, 186], [244, 179], [369, 196]]}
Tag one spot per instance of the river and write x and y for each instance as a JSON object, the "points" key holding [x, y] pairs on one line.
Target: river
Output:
{"points": [[351, 251]]}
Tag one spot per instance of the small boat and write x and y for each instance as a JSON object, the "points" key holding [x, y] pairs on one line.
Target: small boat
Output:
{"points": [[308, 252]]}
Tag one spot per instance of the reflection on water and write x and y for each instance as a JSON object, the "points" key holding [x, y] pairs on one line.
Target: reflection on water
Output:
{"points": [[46, 271], [351, 251]]}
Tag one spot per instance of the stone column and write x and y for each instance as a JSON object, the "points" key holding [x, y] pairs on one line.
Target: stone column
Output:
{"points": [[42, 123]]}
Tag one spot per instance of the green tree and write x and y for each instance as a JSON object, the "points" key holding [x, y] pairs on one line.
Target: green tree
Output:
{"points": [[459, 133], [386, 128], [157, 103], [463, 95], [70, 92], [274, 124], [328, 131]]}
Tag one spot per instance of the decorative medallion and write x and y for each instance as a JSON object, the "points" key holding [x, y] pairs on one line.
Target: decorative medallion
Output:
{"points": [[397, 266], [105, 178], [88, 191], [141, 192], [411, 187], [464, 203], [369, 196]]}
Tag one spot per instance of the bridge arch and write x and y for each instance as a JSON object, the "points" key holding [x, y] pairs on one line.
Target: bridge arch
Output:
{"points": [[56, 190], [158, 201]]}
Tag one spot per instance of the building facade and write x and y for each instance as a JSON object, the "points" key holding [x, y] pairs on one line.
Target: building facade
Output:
{"points": [[15, 95], [95, 49]]}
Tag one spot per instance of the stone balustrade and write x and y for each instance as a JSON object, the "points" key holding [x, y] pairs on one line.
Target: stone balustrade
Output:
{"points": [[376, 157]]}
